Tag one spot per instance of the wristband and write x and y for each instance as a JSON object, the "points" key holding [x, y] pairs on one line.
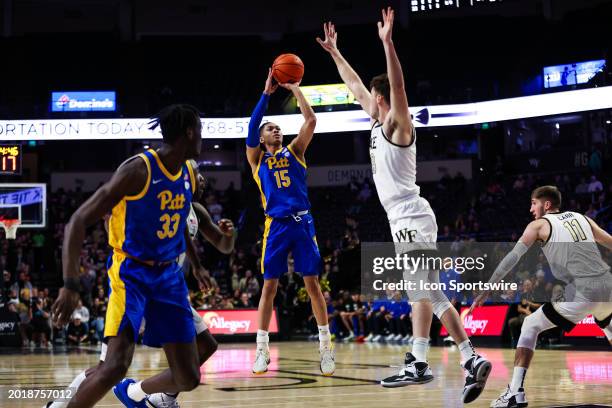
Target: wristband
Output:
{"points": [[72, 284]]}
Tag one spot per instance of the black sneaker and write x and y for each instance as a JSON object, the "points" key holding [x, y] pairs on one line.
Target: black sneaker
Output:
{"points": [[413, 372], [477, 370]]}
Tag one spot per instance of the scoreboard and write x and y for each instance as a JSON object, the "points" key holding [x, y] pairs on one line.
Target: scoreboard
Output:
{"points": [[417, 6], [10, 159]]}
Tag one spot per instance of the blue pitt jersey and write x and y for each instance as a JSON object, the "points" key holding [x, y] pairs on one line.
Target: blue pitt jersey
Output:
{"points": [[150, 226], [281, 178]]}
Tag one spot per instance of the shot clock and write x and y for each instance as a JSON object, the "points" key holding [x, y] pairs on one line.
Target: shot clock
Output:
{"points": [[10, 159]]}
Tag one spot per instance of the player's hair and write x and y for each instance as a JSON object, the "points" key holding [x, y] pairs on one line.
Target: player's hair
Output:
{"points": [[548, 193], [381, 84], [174, 120], [262, 126]]}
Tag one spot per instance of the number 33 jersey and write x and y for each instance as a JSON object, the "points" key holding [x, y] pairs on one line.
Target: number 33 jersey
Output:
{"points": [[150, 226], [281, 178], [571, 250]]}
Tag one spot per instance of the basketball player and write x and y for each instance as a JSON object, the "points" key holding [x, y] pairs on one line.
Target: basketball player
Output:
{"points": [[150, 197], [280, 173], [570, 246], [393, 155], [222, 236]]}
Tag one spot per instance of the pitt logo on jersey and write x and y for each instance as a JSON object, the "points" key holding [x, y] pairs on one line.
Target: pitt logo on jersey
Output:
{"points": [[274, 163], [170, 202]]}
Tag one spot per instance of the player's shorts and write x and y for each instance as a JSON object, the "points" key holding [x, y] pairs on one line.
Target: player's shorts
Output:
{"points": [[200, 326], [284, 235], [157, 294], [413, 225], [593, 297]]}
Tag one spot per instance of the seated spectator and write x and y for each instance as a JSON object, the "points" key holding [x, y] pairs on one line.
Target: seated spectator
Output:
{"points": [[84, 313], [76, 333], [595, 185], [582, 187], [524, 309], [245, 302], [41, 327], [99, 314]]}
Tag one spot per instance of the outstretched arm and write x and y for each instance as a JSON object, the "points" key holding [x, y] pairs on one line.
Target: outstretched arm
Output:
{"points": [[532, 233], [304, 137], [600, 235], [399, 115], [347, 73], [128, 180], [222, 236], [252, 143]]}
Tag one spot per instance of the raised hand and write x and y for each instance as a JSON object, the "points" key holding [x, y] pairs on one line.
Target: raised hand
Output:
{"points": [[479, 301], [271, 84], [331, 36], [290, 85], [385, 28]]}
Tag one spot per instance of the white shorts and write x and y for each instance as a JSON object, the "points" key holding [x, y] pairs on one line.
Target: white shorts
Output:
{"points": [[576, 311], [198, 322], [413, 223]]}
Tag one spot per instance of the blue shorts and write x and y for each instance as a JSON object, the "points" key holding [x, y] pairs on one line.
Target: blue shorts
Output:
{"points": [[284, 235], [157, 294]]}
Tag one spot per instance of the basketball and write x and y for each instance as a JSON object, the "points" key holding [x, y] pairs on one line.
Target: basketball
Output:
{"points": [[288, 68]]}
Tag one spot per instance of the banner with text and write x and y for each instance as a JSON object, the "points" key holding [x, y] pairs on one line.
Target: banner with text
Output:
{"points": [[345, 121], [235, 321]]}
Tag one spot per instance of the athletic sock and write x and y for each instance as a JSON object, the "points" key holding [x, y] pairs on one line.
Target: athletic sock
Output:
{"points": [[135, 391], [419, 348], [324, 337], [73, 387], [262, 340], [518, 378], [467, 350]]}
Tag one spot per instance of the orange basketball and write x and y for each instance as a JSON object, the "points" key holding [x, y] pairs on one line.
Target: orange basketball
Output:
{"points": [[288, 68]]}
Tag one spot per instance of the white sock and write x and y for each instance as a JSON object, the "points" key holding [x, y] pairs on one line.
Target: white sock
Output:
{"points": [[518, 377], [324, 337], [419, 348], [135, 391], [608, 332], [466, 349], [74, 386], [262, 340]]}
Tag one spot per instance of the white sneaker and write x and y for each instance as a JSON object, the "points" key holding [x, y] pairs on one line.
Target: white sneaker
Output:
{"points": [[328, 363], [389, 337], [262, 359], [448, 339], [369, 337], [350, 337], [406, 339], [413, 372], [397, 337], [509, 399], [376, 338], [162, 400]]}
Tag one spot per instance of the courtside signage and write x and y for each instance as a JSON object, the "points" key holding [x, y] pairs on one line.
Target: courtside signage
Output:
{"points": [[484, 321], [238, 321], [346, 121], [83, 101], [586, 328]]}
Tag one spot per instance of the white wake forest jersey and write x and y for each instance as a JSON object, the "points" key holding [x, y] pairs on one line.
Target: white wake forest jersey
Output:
{"points": [[192, 228], [393, 168], [571, 249]]}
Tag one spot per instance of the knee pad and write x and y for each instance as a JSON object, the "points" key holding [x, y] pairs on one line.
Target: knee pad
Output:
{"points": [[533, 325], [441, 306]]}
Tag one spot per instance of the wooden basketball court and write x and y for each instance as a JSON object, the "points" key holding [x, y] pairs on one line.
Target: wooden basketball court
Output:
{"points": [[557, 378]]}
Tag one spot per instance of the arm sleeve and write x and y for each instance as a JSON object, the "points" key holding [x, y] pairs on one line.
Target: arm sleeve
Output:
{"points": [[509, 262], [256, 116]]}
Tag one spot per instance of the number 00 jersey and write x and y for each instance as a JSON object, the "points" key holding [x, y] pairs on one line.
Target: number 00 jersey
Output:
{"points": [[571, 249], [281, 178], [150, 226]]}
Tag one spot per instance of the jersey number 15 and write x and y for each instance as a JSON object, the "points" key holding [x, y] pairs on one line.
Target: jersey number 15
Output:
{"points": [[282, 178]]}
